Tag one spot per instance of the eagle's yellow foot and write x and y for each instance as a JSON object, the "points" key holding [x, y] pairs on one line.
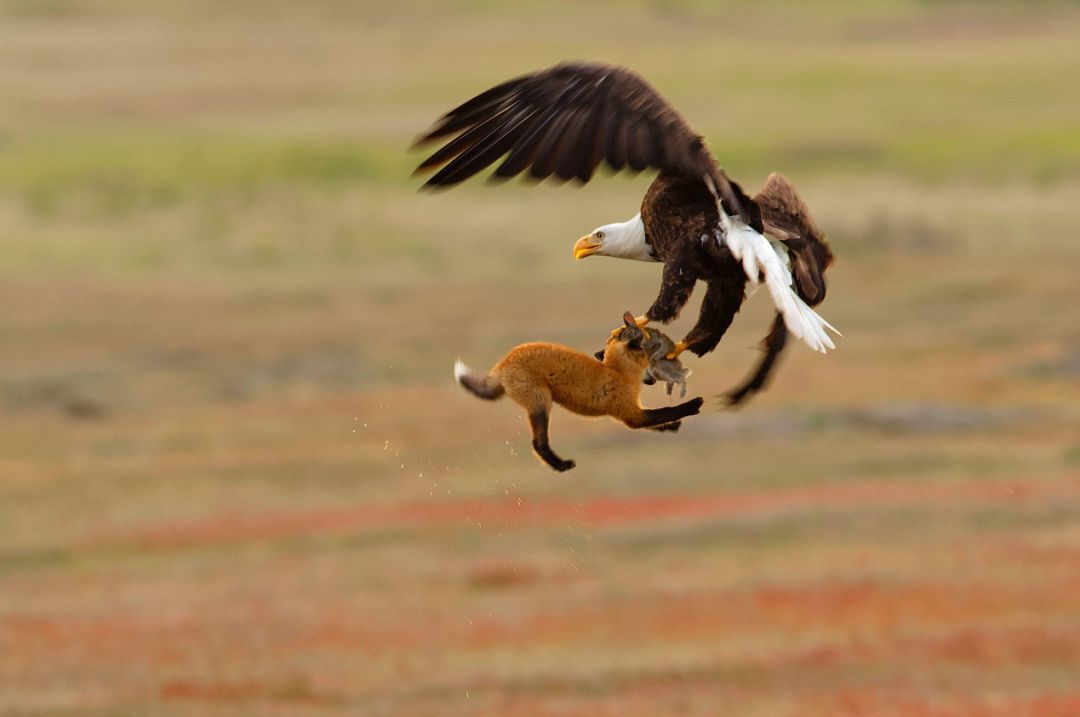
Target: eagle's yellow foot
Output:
{"points": [[680, 346]]}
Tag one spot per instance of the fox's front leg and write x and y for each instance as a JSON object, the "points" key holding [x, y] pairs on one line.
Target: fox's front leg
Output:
{"points": [[649, 418], [538, 422]]}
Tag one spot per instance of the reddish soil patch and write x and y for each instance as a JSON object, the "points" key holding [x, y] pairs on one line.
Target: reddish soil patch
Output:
{"points": [[1030, 644], [871, 607], [597, 512], [501, 575], [289, 690], [887, 613], [881, 703], [87, 637], [218, 691]]}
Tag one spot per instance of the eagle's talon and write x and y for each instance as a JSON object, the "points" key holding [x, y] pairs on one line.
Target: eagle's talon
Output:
{"points": [[680, 346]]}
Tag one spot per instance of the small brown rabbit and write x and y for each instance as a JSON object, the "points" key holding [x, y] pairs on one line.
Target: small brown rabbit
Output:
{"points": [[535, 375], [661, 368]]}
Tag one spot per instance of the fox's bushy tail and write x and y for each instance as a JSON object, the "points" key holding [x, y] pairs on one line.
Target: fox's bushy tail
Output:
{"points": [[487, 387]]}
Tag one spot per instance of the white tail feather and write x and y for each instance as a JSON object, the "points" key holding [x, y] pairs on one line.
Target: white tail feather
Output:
{"points": [[760, 258]]}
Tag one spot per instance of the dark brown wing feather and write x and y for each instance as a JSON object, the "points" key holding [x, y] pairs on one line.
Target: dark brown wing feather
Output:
{"points": [[786, 216], [566, 120], [782, 209]]}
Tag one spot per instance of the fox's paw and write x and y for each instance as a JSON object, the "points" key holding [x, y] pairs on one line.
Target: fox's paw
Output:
{"points": [[673, 426], [694, 405], [563, 466]]}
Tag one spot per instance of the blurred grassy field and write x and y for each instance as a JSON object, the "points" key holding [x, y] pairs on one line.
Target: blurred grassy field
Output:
{"points": [[237, 478]]}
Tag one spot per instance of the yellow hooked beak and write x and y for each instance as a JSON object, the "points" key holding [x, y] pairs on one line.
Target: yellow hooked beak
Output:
{"points": [[584, 247]]}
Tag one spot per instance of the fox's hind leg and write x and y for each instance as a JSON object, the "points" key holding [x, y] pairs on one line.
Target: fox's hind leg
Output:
{"points": [[536, 400], [538, 422]]}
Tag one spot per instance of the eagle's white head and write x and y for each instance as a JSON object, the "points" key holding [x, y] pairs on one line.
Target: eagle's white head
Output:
{"points": [[625, 240]]}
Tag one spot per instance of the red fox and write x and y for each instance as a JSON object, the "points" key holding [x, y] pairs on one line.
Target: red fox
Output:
{"points": [[536, 374]]}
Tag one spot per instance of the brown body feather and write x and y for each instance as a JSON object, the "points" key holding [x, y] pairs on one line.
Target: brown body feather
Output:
{"points": [[681, 221]]}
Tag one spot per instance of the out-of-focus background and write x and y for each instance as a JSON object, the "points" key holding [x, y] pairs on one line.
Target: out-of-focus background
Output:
{"points": [[236, 477]]}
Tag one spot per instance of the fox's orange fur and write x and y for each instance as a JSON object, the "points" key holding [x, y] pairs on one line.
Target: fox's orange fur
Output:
{"points": [[536, 374]]}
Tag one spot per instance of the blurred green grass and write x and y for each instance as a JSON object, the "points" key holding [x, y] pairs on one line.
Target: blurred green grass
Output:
{"points": [[126, 173]]}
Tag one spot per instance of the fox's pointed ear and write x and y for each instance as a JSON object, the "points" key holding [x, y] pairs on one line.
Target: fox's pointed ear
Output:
{"points": [[628, 319]]}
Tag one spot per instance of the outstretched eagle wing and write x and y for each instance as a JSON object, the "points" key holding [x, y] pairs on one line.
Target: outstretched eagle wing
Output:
{"points": [[566, 120]]}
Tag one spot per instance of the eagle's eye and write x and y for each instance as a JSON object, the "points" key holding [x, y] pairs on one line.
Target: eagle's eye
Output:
{"points": [[600, 236]]}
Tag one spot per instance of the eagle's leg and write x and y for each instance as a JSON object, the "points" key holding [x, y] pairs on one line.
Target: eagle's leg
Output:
{"points": [[675, 289], [774, 344], [679, 347], [676, 286], [722, 301]]}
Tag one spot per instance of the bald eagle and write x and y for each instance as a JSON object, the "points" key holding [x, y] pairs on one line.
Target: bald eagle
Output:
{"points": [[567, 119]]}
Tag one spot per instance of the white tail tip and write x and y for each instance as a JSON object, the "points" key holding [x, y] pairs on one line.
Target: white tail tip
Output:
{"points": [[460, 370]]}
